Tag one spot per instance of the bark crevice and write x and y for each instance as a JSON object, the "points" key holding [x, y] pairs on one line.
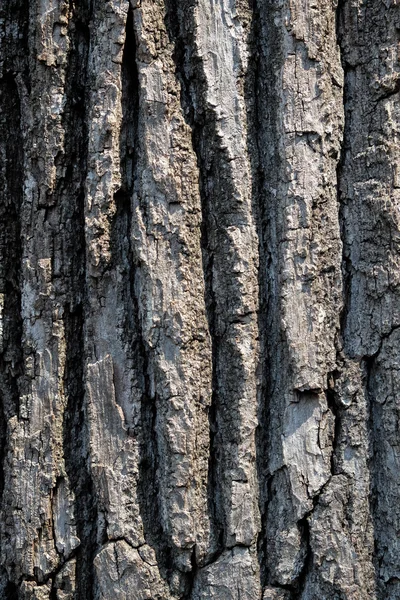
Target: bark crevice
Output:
{"points": [[11, 181], [267, 67], [70, 196]]}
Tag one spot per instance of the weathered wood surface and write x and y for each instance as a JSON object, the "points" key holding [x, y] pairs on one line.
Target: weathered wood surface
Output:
{"points": [[199, 299]]}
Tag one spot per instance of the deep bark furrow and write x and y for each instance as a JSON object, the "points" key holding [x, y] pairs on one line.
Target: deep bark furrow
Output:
{"points": [[75, 452], [11, 177], [14, 25], [10, 259], [382, 406], [70, 195], [265, 84]]}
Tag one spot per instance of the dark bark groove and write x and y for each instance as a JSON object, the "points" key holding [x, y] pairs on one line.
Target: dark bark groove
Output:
{"points": [[11, 180], [70, 197]]}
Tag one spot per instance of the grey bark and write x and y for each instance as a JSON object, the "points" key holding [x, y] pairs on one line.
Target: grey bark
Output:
{"points": [[199, 303]]}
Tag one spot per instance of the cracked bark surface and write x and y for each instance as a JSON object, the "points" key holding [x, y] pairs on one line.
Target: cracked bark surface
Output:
{"points": [[199, 303]]}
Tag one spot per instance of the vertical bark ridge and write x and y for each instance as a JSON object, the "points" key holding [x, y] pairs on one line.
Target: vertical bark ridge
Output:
{"points": [[344, 504], [169, 288], [299, 145], [230, 262], [173, 24], [36, 541], [369, 197], [112, 392], [142, 420], [115, 385]]}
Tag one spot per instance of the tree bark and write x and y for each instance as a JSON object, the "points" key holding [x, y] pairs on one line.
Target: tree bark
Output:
{"points": [[199, 303]]}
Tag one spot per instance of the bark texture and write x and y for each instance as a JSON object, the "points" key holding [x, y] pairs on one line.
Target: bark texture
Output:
{"points": [[200, 299]]}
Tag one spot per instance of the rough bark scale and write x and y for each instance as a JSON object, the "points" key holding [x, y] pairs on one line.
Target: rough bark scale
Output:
{"points": [[199, 305]]}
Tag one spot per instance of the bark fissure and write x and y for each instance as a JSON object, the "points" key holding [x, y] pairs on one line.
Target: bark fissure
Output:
{"points": [[15, 18], [11, 591], [10, 259], [261, 83], [373, 417], [75, 452], [70, 194], [267, 85]]}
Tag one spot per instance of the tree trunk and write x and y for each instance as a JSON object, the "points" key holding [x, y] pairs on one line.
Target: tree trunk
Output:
{"points": [[199, 303]]}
